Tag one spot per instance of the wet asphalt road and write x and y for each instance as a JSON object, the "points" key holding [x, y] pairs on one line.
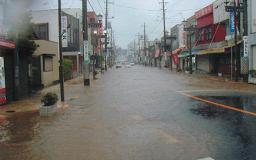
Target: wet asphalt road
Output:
{"points": [[136, 114]]}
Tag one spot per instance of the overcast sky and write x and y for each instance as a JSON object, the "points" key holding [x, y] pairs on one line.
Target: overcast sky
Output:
{"points": [[129, 15]]}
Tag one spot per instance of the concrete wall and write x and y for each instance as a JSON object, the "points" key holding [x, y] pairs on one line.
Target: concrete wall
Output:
{"points": [[1, 17], [252, 33], [48, 48], [219, 12]]}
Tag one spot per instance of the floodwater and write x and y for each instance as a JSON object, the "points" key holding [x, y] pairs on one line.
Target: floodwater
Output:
{"points": [[135, 113]]}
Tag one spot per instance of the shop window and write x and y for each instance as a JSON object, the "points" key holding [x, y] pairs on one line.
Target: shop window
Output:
{"points": [[48, 63], [41, 31], [209, 34]]}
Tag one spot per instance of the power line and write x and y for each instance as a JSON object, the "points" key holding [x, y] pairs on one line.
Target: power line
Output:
{"points": [[100, 6], [134, 8], [91, 5]]}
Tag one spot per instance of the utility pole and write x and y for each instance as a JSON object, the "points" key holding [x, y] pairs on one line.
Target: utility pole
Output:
{"points": [[164, 24], [235, 10], [61, 73], [139, 38], [86, 63], [145, 51], [106, 35], [134, 47]]}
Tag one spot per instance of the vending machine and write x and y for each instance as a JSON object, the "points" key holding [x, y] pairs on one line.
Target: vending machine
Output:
{"points": [[3, 99]]}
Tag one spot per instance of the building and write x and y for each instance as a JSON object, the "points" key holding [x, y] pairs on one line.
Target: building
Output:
{"points": [[46, 28], [252, 40], [15, 63], [96, 35], [45, 64], [184, 55], [210, 37]]}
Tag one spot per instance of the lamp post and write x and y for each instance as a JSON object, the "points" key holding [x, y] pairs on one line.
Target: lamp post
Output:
{"points": [[190, 31], [100, 18], [106, 48], [95, 43], [171, 38]]}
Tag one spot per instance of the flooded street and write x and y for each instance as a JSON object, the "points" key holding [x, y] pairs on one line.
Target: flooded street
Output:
{"points": [[137, 113]]}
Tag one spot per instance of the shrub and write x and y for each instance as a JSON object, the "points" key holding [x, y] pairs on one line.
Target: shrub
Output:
{"points": [[50, 99], [67, 69]]}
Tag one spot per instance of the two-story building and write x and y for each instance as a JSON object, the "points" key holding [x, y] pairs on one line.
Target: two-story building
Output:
{"points": [[15, 62], [252, 40], [45, 24], [209, 39]]}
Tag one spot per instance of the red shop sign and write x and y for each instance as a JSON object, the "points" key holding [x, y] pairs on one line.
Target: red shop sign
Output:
{"points": [[7, 44]]}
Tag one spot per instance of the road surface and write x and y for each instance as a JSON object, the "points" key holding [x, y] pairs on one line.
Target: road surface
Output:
{"points": [[138, 113]]}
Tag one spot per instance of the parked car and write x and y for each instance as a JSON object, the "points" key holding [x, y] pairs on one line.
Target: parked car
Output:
{"points": [[118, 66]]}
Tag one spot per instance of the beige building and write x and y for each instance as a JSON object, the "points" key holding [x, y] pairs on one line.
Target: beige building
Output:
{"points": [[45, 62]]}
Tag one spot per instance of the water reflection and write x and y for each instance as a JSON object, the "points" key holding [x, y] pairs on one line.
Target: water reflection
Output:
{"points": [[239, 126]]}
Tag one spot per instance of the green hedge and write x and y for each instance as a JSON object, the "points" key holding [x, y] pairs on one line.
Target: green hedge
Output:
{"points": [[67, 67]]}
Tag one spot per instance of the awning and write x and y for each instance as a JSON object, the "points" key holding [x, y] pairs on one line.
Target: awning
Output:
{"points": [[212, 51], [232, 45], [7, 44], [185, 53]]}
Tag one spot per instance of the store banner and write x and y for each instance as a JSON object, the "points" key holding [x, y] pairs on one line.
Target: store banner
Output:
{"points": [[3, 99], [232, 22], [246, 46], [175, 58]]}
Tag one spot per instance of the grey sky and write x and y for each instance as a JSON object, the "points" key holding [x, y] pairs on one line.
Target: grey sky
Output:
{"points": [[129, 15]]}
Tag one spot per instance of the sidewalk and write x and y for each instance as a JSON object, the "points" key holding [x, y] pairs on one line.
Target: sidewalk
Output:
{"points": [[217, 82], [33, 103]]}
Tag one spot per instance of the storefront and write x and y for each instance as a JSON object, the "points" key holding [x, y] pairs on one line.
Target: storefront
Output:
{"points": [[6, 61]]}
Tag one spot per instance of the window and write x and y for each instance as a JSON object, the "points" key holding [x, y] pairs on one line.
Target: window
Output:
{"points": [[209, 34], [201, 35], [92, 20], [48, 63], [41, 31]]}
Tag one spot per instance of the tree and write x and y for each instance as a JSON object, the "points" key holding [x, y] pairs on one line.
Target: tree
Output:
{"points": [[22, 32]]}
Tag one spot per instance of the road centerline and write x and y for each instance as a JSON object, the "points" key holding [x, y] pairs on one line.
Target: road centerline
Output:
{"points": [[218, 104]]}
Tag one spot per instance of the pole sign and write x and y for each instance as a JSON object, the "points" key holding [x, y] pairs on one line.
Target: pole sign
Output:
{"points": [[232, 22], [86, 55], [3, 99], [246, 46]]}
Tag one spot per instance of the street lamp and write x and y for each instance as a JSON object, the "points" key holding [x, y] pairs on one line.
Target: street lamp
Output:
{"points": [[100, 18], [190, 31]]}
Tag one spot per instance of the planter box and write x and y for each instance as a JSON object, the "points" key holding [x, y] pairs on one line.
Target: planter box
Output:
{"points": [[48, 110], [252, 80]]}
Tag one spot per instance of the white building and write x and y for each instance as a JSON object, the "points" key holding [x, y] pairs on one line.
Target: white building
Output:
{"points": [[46, 18], [252, 39]]}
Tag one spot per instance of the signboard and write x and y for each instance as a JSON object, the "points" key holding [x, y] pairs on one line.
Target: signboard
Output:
{"points": [[246, 46], [7, 44], [232, 22], [3, 99], [205, 11], [86, 55], [175, 58], [64, 27]]}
